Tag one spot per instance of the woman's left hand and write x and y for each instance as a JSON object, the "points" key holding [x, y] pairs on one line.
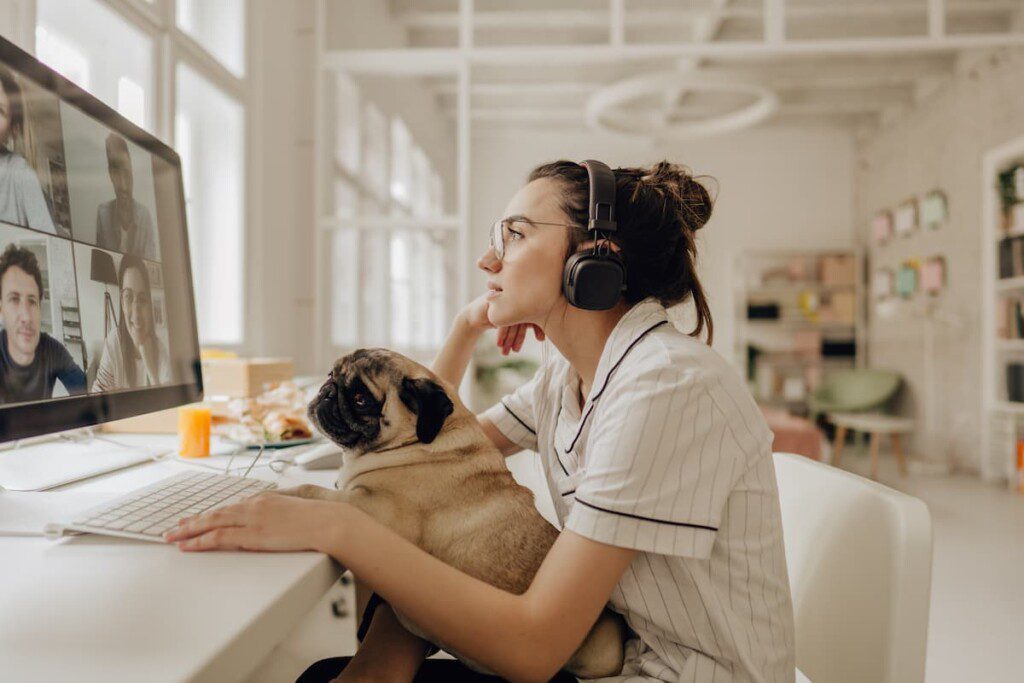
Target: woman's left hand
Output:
{"points": [[268, 522]]}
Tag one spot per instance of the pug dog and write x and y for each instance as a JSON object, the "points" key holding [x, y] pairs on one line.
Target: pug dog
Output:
{"points": [[415, 459]]}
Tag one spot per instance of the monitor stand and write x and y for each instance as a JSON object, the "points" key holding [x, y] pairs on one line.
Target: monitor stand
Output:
{"points": [[44, 463]]}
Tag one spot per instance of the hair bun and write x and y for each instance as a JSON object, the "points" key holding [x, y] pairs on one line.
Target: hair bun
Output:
{"points": [[677, 185]]}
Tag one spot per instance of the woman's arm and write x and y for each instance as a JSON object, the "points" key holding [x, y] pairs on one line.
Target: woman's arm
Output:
{"points": [[451, 361], [453, 358], [387, 653], [524, 637]]}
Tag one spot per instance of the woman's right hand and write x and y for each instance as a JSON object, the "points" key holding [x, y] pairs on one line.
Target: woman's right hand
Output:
{"points": [[510, 337]]}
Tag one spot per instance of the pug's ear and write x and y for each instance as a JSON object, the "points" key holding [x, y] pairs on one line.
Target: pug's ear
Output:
{"points": [[429, 401]]}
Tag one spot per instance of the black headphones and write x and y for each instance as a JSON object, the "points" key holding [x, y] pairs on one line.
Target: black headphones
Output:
{"points": [[594, 280]]}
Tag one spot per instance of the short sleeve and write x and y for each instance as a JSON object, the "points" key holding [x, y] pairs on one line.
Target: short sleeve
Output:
{"points": [[661, 462], [515, 415]]}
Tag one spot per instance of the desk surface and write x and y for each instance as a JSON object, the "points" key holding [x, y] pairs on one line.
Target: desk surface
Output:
{"points": [[94, 608]]}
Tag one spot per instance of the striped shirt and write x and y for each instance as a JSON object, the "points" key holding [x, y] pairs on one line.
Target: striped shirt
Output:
{"points": [[669, 456]]}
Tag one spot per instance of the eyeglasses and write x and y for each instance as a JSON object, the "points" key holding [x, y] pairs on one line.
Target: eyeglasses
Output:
{"points": [[504, 231], [130, 296]]}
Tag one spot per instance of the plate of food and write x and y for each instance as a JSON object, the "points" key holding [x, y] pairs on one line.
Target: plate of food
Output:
{"points": [[275, 419]]}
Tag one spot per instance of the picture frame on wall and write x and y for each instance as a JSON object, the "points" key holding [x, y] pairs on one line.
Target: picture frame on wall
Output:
{"points": [[881, 228], [907, 279], [934, 209], [933, 275], [883, 283], [905, 218]]}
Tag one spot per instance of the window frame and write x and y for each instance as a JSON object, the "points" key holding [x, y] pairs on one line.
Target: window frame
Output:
{"points": [[379, 212], [171, 47]]}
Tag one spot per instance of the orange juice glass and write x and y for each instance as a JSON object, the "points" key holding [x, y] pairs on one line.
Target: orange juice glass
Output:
{"points": [[194, 431]]}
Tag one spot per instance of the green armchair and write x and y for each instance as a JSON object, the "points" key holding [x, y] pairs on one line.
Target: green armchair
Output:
{"points": [[853, 391]]}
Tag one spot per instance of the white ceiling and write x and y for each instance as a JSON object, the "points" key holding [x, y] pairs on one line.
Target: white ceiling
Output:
{"points": [[871, 57]]}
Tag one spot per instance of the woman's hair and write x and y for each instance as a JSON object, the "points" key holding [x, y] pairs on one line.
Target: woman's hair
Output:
{"points": [[14, 98], [658, 211], [128, 350]]}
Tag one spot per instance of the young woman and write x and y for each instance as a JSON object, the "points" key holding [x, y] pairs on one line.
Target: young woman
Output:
{"points": [[21, 196], [133, 355], [657, 458]]}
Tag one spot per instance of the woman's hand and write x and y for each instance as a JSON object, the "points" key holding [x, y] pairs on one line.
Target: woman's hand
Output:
{"points": [[510, 337], [268, 522]]}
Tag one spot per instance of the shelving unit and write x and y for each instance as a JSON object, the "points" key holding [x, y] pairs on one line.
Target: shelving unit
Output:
{"points": [[780, 278], [1002, 419]]}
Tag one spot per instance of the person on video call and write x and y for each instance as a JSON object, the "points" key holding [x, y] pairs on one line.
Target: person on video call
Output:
{"points": [[31, 361], [123, 224], [21, 196], [133, 356]]}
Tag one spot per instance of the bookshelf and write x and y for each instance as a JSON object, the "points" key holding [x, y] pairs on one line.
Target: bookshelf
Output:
{"points": [[1002, 340], [799, 314]]}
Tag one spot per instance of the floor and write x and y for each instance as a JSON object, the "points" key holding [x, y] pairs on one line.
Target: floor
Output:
{"points": [[976, 626]]}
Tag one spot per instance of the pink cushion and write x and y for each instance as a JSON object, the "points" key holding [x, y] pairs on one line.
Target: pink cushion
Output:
{"points": [[793, 434]]}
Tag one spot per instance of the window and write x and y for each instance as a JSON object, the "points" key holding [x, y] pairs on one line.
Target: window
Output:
{"points": [[99, 50], [210, 121], [347, 150], [375, 151], [390, 279], [131, 101], [219, 27], [401, 163], [111, 49], [58, 52]]}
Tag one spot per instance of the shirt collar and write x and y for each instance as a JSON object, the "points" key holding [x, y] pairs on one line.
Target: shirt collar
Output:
{"points": [[644, 316]]}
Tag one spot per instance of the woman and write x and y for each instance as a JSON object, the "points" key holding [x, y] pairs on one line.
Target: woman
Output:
{"points": [[21, 196], [133, 355], [658, 461]]}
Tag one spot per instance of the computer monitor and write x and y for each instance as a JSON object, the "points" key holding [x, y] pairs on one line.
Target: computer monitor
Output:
{"points": [[97, 313]]}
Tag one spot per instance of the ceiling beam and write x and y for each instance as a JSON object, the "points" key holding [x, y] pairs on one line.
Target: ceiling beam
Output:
{"points": [[602, 18], [784, 79], [425, 61], [823, 103]]}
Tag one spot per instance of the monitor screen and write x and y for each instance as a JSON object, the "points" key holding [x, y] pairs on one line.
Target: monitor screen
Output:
{"points": [[97, 317]]}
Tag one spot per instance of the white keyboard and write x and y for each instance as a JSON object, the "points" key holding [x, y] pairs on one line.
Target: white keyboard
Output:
{"points": [[148, 513]]}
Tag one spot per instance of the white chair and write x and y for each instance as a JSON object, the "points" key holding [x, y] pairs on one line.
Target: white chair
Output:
{"points": [[859, 556]]}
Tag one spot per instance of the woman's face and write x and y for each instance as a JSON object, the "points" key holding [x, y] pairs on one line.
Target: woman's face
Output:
{"points": [[526, 285], [136, 306]]}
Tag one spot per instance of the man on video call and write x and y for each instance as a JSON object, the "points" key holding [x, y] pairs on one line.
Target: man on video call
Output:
{"points": [[31, 361]]}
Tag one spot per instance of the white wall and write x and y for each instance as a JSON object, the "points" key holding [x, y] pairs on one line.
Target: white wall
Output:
{"points": [[939, 144], [779, 188]]}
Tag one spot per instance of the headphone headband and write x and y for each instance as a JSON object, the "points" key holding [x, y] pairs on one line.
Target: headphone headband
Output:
{"points": [[594, 280], [602, 196]]}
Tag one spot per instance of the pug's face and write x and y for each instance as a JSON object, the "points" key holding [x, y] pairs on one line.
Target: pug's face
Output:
{"points": [[376, 399]]}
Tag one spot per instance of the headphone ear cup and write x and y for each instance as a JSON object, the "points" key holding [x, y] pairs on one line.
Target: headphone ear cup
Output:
{"points": [[569, 277], [593, 282]]}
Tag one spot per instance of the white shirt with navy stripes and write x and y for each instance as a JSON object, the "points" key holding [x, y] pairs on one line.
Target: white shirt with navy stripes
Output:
{"points": [[669, 456]]}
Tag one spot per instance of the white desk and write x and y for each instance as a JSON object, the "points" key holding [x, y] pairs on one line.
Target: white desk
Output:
{"points": [[93, 608]]}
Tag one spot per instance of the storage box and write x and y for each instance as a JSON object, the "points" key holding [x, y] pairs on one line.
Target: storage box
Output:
{"points": [[164, 421], [844, 307], [838, 269], [160, 422], [243, 377]]}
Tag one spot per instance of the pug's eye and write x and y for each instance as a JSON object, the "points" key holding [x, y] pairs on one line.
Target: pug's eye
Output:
{"points": [[360, 400]]}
